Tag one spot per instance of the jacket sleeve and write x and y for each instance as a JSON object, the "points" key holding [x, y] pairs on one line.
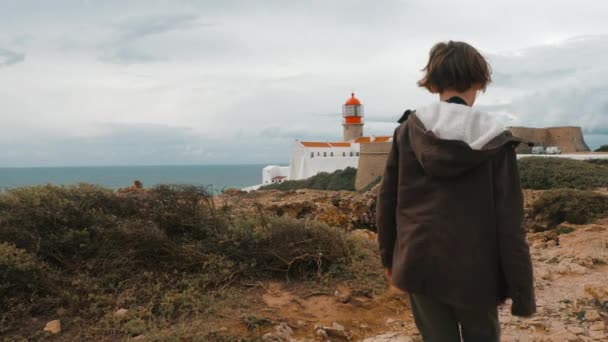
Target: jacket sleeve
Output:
{"points": [[386, 205], [514, 250]]}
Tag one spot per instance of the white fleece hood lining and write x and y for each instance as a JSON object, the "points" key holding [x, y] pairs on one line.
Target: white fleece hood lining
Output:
{"points": [[450, 121]]}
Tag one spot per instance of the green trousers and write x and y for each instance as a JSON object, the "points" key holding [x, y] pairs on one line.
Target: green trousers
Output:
{"points": [[438, 322]]}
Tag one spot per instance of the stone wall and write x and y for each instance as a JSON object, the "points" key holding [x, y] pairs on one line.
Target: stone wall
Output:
{"points": [[372, 161], [568, 139]]}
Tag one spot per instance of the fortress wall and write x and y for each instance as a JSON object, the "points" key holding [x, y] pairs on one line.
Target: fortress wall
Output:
{"points": [[372, 161], [568, 139], [571, 137]]}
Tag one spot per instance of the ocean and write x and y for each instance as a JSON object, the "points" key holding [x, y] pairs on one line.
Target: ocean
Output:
{"points": [[217, 176]]}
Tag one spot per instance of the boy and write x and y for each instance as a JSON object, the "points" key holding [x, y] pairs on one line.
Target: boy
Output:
{"points": [[450, 207]]}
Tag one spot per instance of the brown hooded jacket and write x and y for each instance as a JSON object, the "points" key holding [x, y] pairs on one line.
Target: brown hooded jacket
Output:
{"points": [[450, 211]]}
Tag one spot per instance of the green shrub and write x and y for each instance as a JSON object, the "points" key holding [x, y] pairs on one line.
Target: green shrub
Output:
{"points": [[603, 148], [602, 162], [344, 180], [24, 283], [21, 274], [337, 180], [371, 185], [554, 173], [167, 251], [567, 205]]}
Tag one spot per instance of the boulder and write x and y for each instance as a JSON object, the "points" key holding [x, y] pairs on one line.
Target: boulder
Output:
{"points": [[53, 327], [388, 337], [282, 333], [120, 313], [592, 316], [335, 330]]}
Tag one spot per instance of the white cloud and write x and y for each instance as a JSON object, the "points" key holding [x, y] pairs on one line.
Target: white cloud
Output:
{"points": [[246, 78]]}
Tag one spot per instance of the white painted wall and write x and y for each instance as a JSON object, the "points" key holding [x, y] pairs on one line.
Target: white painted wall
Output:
{"points": [[271, 171], [309, 161]]}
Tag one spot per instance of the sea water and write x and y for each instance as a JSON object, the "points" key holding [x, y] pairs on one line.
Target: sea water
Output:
{"points": [[218, 177]]}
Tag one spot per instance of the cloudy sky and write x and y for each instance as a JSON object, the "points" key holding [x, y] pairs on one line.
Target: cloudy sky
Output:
{"points": [[103, 82]]}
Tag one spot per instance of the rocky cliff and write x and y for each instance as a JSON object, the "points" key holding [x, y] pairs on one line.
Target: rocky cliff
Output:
{"points": [[345, 209]]}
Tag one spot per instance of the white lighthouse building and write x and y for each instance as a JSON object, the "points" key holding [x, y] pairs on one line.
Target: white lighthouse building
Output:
{"points": [[309, 158]]}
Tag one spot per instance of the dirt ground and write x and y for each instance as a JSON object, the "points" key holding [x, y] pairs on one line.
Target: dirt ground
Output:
{"points": [[571, 279]]}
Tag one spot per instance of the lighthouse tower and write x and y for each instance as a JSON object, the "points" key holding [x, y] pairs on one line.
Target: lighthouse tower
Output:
{"points": [[352, 111]]}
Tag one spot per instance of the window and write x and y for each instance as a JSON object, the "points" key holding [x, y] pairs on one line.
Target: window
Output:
{"points": [[351, 154], [357, 154], [318, 154], [324, 154], [312, 154], [343, 154], [332, 154]]}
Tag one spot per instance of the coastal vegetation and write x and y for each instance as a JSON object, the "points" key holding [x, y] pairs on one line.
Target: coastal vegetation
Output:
{"points": [[603, 148], [337, 180], [555, 207], [535, 172], [118, 264], [554, 173], [166, 255]]}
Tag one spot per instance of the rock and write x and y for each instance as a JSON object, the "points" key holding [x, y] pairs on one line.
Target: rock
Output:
{"points": [[597, 291], [592, 316], [283, 329], [120, 313], [542, 273], [598, 334], [389, 321], [576, 330], [597, 326], [270, 337], [551, 243], [61, 311], [53, 327], [223, 329], [344, 299], [389, 337], [282, 333], [571, 267], [336, 330], [508, 338], [586, 262], [577, 269], [322, 333], [138, 338], [567, 337]]}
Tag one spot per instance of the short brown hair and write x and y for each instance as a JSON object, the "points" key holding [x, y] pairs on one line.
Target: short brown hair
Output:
{"points": [[455, 66]]}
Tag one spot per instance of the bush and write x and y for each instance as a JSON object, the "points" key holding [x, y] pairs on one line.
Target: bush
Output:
{"points": [[603, 148], [602, 162], [567, 205], [554, 173], [23, 285], [21, 274], [286, 246], [337, 180], [167, 251]]}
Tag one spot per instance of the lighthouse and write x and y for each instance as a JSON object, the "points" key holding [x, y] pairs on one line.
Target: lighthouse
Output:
{"points": [[352, 112]]}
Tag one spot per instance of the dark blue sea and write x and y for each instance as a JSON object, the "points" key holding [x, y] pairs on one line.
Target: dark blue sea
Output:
{"points": [[217, 176]]}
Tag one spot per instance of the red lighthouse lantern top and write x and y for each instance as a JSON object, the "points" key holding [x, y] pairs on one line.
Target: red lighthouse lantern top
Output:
{"points": [[352, 100], [352, 111]]}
